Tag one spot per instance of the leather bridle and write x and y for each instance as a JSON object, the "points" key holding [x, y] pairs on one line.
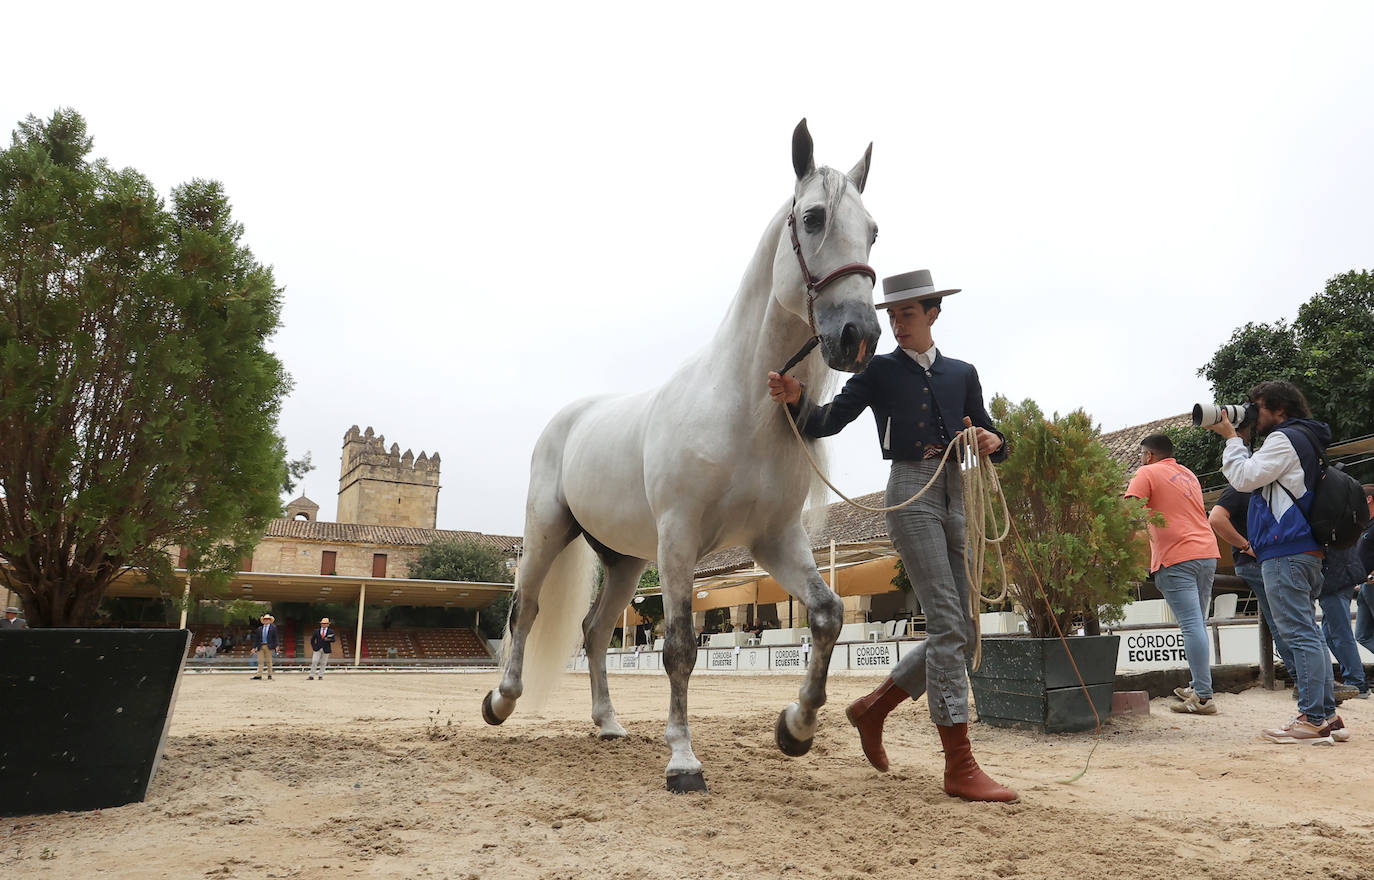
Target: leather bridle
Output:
{"points": [[815, 285]]}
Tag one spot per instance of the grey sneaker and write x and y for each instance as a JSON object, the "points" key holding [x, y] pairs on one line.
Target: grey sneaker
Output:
{"points": [[1345, 692], [1185, 693], [1191, 705]]}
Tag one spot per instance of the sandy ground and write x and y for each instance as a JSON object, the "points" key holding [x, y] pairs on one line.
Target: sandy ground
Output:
{"points": [[396, 776]]}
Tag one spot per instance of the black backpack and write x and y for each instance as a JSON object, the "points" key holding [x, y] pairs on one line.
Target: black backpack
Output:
{"points": [[1339, 512]]}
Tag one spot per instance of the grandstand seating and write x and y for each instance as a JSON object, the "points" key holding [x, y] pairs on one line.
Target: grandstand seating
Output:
{"points": [[409, 643], [405, 643]]}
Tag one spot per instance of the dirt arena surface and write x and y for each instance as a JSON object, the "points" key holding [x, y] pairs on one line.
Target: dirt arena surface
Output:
{"points": [[396, 776]]}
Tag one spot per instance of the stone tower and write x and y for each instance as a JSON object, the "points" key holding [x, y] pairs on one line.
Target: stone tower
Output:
{"points": [[378, 486]]}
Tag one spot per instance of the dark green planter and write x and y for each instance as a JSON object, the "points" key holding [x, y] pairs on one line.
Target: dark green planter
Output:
{"points": [[1030, 681], [88, 712]]}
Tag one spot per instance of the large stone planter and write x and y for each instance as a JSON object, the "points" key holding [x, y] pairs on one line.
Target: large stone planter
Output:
{"points": [[1030, 681], [87, 712]]}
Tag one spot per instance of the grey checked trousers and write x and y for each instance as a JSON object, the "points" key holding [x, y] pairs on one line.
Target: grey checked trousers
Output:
{"points": [[929, 535]]}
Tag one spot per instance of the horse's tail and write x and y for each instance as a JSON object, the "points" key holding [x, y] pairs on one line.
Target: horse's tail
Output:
{"points": [[564, 598]]}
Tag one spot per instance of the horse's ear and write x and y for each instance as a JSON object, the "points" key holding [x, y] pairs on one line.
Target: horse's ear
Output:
{"points": [[803, 151], [858, 175]]}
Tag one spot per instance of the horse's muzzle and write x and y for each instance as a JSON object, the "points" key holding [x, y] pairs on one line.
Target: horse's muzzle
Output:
{"points": [[849, 336]]}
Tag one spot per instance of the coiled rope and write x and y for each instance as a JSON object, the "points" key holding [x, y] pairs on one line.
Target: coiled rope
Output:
{"points": [[983, 496]]}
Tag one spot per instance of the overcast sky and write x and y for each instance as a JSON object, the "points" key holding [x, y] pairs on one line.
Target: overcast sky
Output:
{"points": [[480, 212]]}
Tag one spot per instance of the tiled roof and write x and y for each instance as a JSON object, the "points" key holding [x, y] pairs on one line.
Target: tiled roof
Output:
{"points": [[842, 524], [359, 533], [1124, 445]]}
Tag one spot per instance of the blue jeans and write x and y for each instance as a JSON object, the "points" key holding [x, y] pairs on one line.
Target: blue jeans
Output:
{"points": [[1187, 587], [1336, 628], [1292, 584], [1364, 617], [1250, 571]]}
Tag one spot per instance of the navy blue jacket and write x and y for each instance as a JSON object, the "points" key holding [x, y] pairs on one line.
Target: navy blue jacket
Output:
{"points": [[1364, 550], [911, 407], [325, 644], [270, 641]]}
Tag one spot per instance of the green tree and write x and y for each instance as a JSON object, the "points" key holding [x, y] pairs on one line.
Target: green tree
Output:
{"points": [[296, 469], [1325, 352], [1086, 544], [468, 560], [138, 400], [1335, 330], [649, 607], [1253, 354]]}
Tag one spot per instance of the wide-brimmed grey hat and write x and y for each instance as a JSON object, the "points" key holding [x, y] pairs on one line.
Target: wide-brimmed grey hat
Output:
{"points": [[899, 289], [11, 610]]}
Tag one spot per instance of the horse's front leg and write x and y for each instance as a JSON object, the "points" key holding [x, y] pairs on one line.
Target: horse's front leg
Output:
{"points": [[675, 565], [788, 558]]}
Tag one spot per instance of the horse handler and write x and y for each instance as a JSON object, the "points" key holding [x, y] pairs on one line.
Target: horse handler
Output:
{"points": [[919, 398]]}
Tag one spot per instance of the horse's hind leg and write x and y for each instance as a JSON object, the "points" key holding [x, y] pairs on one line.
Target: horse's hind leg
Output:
{"points": [[622, 577], [789, 560], [547, 532]]}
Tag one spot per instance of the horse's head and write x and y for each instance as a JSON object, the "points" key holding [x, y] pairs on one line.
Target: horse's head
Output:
{"points": [[821, 269]]}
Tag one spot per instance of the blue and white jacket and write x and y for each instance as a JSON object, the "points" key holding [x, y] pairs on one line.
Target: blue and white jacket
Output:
{"points": [[1287, 460]]}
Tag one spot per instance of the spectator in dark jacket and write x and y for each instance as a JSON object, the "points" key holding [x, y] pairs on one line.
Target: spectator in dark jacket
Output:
{"points": [[322, 644], [1341, 573], [1364, 596]]}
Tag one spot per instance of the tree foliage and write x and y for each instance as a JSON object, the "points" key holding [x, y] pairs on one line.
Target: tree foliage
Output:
{"points": [[468, 560], [1325, 352], [464, 560], [649, 607], [1086, 544], [138, 402]]}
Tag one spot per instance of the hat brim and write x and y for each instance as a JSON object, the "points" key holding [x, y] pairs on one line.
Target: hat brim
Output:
{"points": [[902, 297]]}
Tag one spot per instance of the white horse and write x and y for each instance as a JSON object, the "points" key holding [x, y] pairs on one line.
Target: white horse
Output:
{"points": [[706, 461]]}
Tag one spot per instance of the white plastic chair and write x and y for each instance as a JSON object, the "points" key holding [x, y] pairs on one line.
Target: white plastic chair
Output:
{"points": [[1224, 606]]}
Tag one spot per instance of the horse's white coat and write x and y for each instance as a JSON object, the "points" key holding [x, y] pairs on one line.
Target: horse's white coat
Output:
{"points": [[706, 461]]}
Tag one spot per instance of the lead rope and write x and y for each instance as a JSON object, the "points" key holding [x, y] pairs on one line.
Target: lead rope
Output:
{"points": [[982, 494]]}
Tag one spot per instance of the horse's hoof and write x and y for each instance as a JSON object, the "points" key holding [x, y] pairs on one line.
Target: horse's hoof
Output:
{"points": [[610, 737], [788, 744], [488, 715], [686, 783]]}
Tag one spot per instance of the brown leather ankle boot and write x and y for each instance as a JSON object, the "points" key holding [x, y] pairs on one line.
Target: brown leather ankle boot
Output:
{"points": [[963, 777], [867, 714]]}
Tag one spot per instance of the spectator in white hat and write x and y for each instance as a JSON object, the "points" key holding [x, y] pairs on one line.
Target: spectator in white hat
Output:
{"points": [[322, 643]]}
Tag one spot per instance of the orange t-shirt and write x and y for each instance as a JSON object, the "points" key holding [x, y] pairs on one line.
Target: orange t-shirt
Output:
{"points": [[1173, 490]]}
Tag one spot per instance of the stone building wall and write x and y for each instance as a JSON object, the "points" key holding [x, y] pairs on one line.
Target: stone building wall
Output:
{"points": [[380, 486], [295, 556]]}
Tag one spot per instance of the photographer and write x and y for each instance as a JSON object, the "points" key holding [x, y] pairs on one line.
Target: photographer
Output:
{"points": [[1281, 476]]}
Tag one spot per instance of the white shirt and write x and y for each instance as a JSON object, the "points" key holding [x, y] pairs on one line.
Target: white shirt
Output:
{"points": [[926, 359], [1275, 462]]}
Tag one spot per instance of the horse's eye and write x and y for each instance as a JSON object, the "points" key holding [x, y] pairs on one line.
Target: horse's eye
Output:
{"points": [[814, 219]]}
